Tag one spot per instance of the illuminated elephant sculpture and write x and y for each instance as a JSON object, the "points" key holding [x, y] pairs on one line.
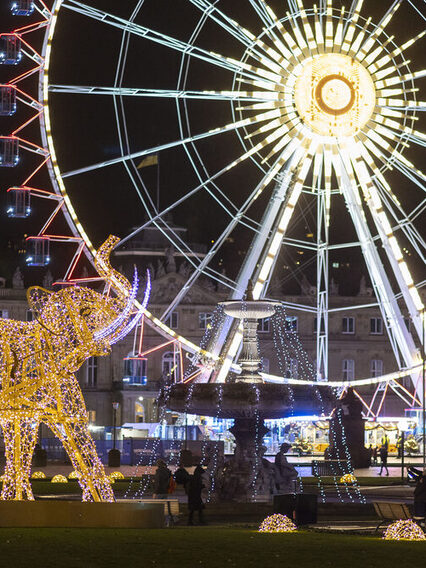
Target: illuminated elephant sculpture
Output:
{"points": [[38, 360]]}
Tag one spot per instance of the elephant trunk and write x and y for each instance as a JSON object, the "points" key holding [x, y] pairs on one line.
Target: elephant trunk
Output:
{"points": [[126, 291], [103, 266]]}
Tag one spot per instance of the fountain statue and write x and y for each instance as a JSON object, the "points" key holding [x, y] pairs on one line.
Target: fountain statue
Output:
{"points": [[249, 401]]}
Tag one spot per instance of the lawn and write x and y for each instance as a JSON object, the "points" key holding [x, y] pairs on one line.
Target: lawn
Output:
{"points": [[204, 547]]}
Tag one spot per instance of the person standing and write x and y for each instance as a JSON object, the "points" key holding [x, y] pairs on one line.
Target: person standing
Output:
{"points": [[161, 480], [195, 503], [420, 497], [384, 459]]}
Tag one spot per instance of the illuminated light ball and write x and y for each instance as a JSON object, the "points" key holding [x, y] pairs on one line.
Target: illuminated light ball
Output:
{"points": [[115, 475], [404, 530], [59, 479], [277, 524], [74, 475], [348, 478], [38, 475]]}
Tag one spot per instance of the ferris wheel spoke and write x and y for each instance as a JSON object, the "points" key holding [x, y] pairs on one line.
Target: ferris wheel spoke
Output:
{"points": [[157, 37], [390, 243], [401, 341], [352, 18], [237, 214], [388, 57], [395, 130], [421, 14], [240, 96], [378, 141], [224, 21], [235, 220], [239, 32], [261, 9], [261, 117], [380, 28], [410, 174]]}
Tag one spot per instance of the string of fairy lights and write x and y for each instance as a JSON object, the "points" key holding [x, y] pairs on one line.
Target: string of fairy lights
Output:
{"points": [[289, 348]]}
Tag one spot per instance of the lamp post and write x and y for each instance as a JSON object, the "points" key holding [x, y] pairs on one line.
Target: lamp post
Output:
{"points": [[403, 426], [114, 457], [115, 406]]}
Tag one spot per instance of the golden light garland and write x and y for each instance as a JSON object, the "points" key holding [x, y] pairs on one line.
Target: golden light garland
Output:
{"points": [[74, 475], [38, 475], [404, 530], [38, 360], [348, 478], [59, 479], [277, 524], [115, 475]]}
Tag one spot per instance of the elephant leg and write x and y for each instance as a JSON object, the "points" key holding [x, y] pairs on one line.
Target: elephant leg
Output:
{"points": [[81, 449], [20, 437]]}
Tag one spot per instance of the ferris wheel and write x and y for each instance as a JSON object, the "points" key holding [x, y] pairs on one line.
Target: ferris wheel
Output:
{"points": [[264, 113]]}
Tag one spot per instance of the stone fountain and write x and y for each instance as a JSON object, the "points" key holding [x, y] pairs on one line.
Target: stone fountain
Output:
{"points": [[249, 401]]}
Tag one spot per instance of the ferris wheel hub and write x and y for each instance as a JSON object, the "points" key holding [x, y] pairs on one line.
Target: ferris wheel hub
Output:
{"points": [[334, 95]]}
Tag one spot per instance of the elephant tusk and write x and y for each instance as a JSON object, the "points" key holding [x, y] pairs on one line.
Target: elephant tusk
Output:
{"points": [[102, 334], [128, 328]]}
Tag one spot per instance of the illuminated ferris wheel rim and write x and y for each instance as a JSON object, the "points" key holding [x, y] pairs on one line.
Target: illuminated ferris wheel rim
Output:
{"points": [[72, 218]]}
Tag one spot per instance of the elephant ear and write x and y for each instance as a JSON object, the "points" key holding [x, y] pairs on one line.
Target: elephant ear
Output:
{"points": [[37, 299]]}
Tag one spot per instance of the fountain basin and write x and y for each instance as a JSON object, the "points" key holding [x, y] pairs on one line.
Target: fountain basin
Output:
{"points": [[250, 309], [243, 400]]}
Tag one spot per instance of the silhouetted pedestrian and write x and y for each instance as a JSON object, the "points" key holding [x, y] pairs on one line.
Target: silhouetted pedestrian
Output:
{"points": [[195, 503], [370, 453], [420, 497], [182, 477], [384, 459], [161, 480]]}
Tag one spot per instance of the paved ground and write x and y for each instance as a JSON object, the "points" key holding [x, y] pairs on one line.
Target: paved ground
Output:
{"points": [[301, 465]]}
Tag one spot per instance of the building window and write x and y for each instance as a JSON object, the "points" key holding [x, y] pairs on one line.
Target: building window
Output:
{"points": [[264, 325], [92, 371], [291, 368], [4, 314], [322, 325], [291, 324], [376, 368], [376, 326], [171, 366], [135, 370], [173, 320], [30, 315], [91, 415], [205, 320], [348, 325], [348, 369]]}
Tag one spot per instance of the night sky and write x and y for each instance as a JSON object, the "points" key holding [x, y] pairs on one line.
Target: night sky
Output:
{"points": [[85, 52]]}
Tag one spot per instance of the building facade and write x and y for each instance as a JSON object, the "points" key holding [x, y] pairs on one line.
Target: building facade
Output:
{"points": [[134, 372]]}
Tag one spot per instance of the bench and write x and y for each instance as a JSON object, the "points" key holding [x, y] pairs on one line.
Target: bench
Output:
{"points": [[171, 507], [334, 468], [389, 512]]}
